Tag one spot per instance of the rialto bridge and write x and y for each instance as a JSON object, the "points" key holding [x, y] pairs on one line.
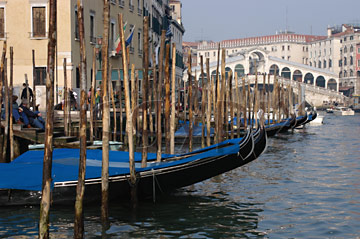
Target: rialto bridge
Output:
{"points": [[321, 84]]}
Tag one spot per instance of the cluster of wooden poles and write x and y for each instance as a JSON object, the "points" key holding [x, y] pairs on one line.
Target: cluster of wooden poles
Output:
{"points": [[220, 100]]}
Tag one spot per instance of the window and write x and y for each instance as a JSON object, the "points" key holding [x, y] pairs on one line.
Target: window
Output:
{"points": [[351, 48], [288, 47], [344, 40], [345, 74], [113, 1], [351, 73], [351, 37], [324, 64], [330, 63], [76, 24], [358, 50], [351, 61], [319, 64], [215, 53], [92, 28], [2, 22], [345, 49], [340, 62], [112, 35], [358, 63], [131, 5], [283, 48], [139, 43], [345, 61], [121, 3], [38, 21], [40, 75]]}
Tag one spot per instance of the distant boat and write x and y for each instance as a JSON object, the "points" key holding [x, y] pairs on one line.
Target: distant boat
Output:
{"points": [[330, 110], [173, 172], [343, 111]]}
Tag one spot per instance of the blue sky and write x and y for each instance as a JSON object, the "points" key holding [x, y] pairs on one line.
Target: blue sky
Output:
{"points": [[231, 19]]}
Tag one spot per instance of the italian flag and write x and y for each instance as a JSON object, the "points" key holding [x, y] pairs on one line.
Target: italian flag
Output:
{"points": [[117, 42]]}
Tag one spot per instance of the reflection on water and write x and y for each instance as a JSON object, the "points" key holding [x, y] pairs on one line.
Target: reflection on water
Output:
{"points": [[305, 186]]}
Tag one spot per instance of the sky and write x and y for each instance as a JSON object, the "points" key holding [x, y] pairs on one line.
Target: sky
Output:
{"points": [[218, 20]]}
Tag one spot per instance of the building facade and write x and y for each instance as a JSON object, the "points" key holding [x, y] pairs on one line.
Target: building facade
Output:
{"points": [[29, 32]]}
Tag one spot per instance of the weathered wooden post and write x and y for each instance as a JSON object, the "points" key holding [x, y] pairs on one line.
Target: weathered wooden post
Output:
{"points": [[66, 108], [34, 80], [92, 96], [222, 112], [129, 126], [80, 188], [105, 118], [120, 107], [172, 118], [190, 104], [2, 74], [11, 133], [167, 100], [145, 103], [114, 107], [6, 106], [203, 95], [210, 84], [49, 126], [238, 106], [217, 111], [244, 102], [231, 103], [159, 97]]}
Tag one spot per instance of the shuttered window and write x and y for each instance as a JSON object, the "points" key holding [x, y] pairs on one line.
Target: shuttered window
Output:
{"points": [[2, 23], [39, 24]]}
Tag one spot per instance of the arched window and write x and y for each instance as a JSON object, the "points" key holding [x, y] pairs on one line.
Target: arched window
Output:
{"points": [[351, 73], [310, 63], [324, 65], [345, 61], [345, 49], [351, 61], [314, 63], [319, 64], [340, 74], [330, 63], [351, 48], [345, 74]]}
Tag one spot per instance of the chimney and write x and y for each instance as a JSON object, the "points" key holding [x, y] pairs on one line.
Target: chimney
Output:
{"points": [[329, 31]]}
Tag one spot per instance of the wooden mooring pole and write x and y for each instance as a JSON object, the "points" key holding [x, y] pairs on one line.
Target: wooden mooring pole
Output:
{"points": [[105, 118], [80, 188], [11, 90], [49, 126], [172, 117], [145, 103]]}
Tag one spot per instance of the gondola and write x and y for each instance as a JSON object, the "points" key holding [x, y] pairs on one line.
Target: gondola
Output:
{"points": [[20, 180], [283, 126]]}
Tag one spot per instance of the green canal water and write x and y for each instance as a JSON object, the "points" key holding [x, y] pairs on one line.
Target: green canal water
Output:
{"points": [[306, 185]]}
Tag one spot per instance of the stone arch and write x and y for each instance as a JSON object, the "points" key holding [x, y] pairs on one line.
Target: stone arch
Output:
{"points": [[320, 81], [256, 59], [297, 76], [272, 69], [309, 79], [332, 84], [286, 73], [240, 70]]}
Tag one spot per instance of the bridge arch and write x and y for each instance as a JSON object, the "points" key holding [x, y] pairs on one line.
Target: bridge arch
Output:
{"points": [[332, 84], [309, 79], [320, 81], [297, 76], [240, 70], [286, 73], [272, 69]]}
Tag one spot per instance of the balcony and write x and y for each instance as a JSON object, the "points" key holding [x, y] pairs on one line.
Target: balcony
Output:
{"points": [[140, 11], [131, 7]]}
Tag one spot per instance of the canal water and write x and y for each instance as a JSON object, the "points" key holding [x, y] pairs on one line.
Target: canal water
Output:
{"points": [[307, 185]]}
